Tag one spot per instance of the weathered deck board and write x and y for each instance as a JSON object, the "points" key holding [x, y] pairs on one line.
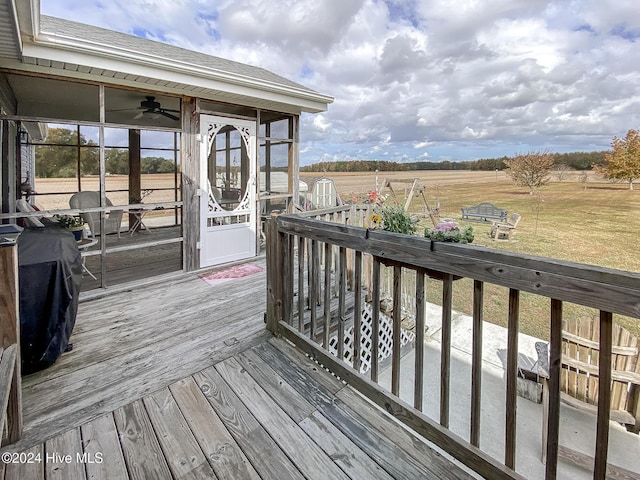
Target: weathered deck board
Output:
{"points": [[102, 449], [61, 462], [180, 448], [353, 461], [306, 455], [280, 391], [344, 452], [224, 454], [362, 421], [377, 420], [28, 470], [261, 450], [383, 450], [140, 446]]}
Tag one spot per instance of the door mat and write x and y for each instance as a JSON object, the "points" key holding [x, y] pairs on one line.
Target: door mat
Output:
{"points": [[237, 271]]}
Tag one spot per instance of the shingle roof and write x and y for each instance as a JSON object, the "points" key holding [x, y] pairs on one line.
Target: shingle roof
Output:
{"points": [[66, 28]]}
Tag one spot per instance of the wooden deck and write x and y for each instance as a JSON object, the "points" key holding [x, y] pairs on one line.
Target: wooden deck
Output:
{"points": [[181, 380], [140, 263]]}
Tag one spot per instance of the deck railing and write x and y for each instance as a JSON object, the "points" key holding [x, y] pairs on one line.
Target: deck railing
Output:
{"points": [[315, 293], [10, 381]]}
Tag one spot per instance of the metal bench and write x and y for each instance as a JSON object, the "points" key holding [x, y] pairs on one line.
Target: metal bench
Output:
{"points": [[484, 212]]}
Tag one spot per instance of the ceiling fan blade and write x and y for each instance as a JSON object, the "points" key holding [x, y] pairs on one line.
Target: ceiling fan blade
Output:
{"points": [[169, 115], [138, 116]]}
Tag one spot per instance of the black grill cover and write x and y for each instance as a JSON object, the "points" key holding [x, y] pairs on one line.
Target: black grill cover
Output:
{"points": [[49, 273]]}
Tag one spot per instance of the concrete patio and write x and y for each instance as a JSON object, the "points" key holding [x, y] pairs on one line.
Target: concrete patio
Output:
{"points": [[577, 428]]}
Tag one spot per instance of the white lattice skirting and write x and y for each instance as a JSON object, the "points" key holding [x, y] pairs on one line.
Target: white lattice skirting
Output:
{"points": [[385, 345]]}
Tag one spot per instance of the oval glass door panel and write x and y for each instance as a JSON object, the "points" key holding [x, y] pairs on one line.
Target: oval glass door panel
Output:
{"points": [[228, 168]]}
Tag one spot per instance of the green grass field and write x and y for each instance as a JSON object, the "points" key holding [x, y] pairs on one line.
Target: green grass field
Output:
{"points": [[598, 225]]}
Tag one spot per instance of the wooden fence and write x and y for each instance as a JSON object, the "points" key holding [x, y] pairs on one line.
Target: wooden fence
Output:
{"points": [[312, 297]]}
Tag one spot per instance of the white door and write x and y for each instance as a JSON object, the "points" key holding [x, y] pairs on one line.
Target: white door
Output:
{"points": [[228, 208]]}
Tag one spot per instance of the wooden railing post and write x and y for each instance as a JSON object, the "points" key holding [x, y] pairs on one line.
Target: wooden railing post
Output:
{"points": [[512, 377], [445, 352], [418, 388], [10, 332], [476, 362], [604, 395], [274, 276], [551, 402]]}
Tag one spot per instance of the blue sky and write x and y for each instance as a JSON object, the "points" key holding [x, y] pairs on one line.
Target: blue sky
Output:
{"points": [[419, 79]]}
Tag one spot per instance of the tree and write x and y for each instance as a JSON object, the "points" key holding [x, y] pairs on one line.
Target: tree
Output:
{"points": [[562, 171], [623, 162], [530, 169], [58, 157]]}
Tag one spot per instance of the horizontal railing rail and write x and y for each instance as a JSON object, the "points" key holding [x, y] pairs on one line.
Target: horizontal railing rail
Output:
{"points": [[316, 272]]}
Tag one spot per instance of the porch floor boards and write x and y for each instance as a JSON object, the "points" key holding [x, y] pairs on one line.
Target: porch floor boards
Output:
{"points": [[182, 380], [266, 412], [127, 345]]}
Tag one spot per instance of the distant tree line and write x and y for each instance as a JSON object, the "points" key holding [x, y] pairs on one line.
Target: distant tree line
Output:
{"points": [[58, 157], [573, 160]]}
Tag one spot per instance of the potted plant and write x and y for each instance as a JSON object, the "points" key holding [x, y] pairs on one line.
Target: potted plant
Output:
{"points": [[72, 223], [393, 218], [449, 232]]}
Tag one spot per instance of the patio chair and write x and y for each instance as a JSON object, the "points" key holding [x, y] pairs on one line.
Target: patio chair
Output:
{"points": [[112, 221], [504, 231], [23, 206], [579, 383]]}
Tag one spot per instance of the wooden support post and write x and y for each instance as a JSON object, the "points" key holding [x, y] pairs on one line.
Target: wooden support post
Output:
{"points": [[445, 353], [418, 389], [301, 307], [274, 276], [314, 290], [604, 397], [342, 287], [357, 311], [407, 204], [512, 378], [476, 362], [10, 331], [397, 320], [286, 245], [551, 393], [327, 294], [135, 172], [190, 164], [375, 320]]}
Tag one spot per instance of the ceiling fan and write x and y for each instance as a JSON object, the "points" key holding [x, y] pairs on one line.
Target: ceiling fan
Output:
{"points": [[150, 108]]}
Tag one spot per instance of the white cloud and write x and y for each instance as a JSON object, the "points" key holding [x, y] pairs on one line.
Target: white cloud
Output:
{"points": [[321, 123], [465, 78]]}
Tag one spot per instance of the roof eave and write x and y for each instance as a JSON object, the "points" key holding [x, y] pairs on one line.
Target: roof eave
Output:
{"points": [[58, 48]]}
